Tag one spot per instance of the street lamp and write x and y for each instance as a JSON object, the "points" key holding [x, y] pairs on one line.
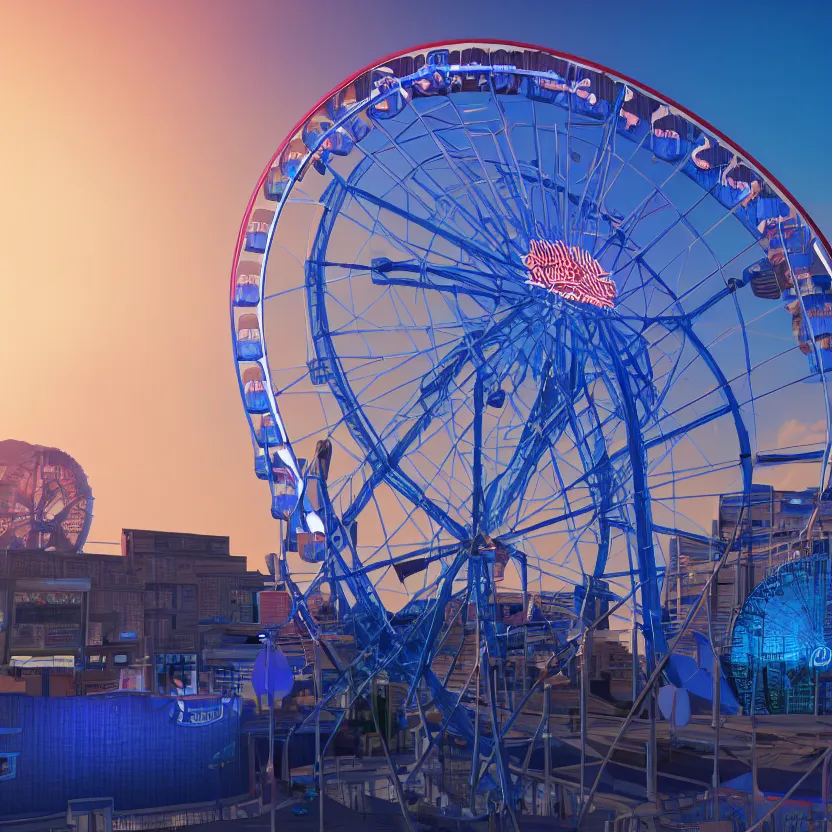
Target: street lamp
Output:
{"points": [[266, 638]]}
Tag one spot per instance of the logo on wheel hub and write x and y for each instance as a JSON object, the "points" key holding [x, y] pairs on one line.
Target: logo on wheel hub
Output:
{"points": [[569, 272]]}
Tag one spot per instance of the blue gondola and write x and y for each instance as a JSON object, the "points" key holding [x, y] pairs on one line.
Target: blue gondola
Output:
{"points": [[311, 546], [267, 432], [795, 238], [506, 83], [320, 372], [438, 57], [770, 208], [339, 106], [392, 98], [731, 196], [820, 364], [261, 464], [257, 400], [247, 290], [319, 135], [284, 487], [249, 346], [291, 160], [258, 230], [283, 505], [464, 82], [590, 106], [817, 323], [549, 90], [667, 145], [434, 81], [276, 184], [296, 521], [812, 327]]}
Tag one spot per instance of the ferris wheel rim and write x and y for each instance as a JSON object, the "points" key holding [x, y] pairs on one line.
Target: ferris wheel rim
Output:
{"points": [[598, 67]]}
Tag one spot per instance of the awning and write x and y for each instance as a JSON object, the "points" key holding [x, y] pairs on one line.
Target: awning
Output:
{"points": [[52, 584]]}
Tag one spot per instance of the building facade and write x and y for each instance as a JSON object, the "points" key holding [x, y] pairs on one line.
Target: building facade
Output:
{"points": [[761, 538], [146, 619]]}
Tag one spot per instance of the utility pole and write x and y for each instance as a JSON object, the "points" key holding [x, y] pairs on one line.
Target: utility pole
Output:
{"points": [[586, 659], [652, 773], [754, 746], [270, 700], [717, 709], [547, 753], [320, 762]]}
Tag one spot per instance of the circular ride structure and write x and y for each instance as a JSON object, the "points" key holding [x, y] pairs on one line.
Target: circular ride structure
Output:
{"points": [[525, 324], [778, 644], [45, 499]]}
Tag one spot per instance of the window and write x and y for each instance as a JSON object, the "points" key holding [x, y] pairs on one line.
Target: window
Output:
{"points": [[176, 674], [120, 659], [8, 766], [187, 598]]}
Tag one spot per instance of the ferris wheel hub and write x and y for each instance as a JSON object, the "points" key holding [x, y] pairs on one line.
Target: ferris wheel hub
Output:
{"points": [[569, 271]]}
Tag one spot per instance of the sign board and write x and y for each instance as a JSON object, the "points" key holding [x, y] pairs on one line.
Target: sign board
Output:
{"points": [[130, 678], [129, 636], [674, 704], [43, 661], [192, 715], [278, 680], [95, 634]]}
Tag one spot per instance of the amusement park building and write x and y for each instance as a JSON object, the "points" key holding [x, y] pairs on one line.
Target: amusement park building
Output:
{"points": [[150, 618]]}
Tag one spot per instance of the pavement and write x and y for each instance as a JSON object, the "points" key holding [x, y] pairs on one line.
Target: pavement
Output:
{"points": [[337, 818]]}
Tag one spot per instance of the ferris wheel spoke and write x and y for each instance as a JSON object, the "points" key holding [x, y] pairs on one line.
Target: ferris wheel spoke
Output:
{"points": [[510, 154], [637, 214], [385, 469], [422, 556], [431, 394], [547, 420], [507, 226], [462, 243], [441, 193], [599, 169], [474, 225], [494, 206], [474, 284]]}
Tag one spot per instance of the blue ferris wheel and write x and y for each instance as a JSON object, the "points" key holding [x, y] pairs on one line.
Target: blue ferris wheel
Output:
{"points": [[505, 320]]}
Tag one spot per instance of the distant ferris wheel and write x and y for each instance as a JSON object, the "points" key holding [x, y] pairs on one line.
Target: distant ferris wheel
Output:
{"points": [[45, 499]]}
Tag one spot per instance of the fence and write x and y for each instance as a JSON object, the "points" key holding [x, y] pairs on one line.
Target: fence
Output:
{"points": [[141, 750]]}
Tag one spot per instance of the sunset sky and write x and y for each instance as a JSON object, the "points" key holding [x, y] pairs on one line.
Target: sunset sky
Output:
{"points": [[131, 137]]}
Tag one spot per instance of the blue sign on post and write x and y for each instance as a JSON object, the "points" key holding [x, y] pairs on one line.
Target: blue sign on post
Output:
{"points": [[279, 681]]}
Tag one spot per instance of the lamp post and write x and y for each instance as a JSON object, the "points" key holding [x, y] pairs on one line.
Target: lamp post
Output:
{"points": [[266, 637]]}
